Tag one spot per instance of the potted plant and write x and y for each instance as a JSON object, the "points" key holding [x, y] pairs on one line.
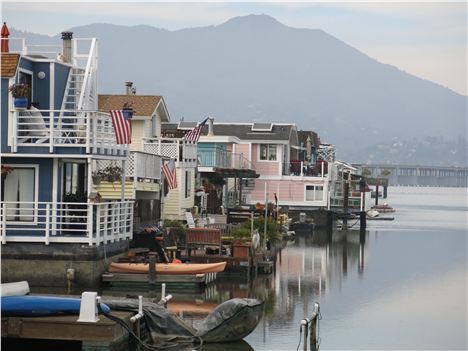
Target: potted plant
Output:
{"points": [[20, 93], [96, 178]]}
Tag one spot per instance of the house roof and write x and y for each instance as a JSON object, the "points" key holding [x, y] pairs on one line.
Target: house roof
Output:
{"points": [[243, 131], [143, 105], [9, 64]]}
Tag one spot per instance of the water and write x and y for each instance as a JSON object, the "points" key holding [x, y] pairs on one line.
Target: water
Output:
{"points": [[402, 286], [405, 288]]}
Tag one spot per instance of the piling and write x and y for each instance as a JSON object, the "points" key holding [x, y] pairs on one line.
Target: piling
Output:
{"points": [[152, 271], [377, 194], [310, 326], [345, 205]]}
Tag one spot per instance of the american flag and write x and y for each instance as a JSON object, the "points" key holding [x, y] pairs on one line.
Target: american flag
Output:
{"points": [[122, 125], [169, 170], [194, 134]]}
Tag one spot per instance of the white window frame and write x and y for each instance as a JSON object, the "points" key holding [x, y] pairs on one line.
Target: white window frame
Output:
{"points": [[315, 186], [268, 148], [36, 195]]}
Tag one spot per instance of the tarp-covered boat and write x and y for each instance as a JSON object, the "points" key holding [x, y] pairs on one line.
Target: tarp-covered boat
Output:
{"points": [[230, 321], [34, 306], [168, 268]]}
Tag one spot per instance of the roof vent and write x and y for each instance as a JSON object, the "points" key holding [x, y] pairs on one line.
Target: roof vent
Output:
{"points": [[262, 127]]}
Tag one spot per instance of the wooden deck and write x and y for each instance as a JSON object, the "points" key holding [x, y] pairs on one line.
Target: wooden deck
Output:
{"points": [[104, 334]]}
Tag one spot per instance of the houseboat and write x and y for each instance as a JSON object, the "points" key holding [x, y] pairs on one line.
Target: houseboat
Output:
{"points": [[55, 226]]}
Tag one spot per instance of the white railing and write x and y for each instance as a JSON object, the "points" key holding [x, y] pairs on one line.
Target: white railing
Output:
{"points": [[47, 222], [58, 128], [179, 149], [217, 157], [85, 57], [304, 169], [143, 165]]}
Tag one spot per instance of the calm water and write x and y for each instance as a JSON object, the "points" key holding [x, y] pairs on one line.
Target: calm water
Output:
{"points": [[404, 288]]}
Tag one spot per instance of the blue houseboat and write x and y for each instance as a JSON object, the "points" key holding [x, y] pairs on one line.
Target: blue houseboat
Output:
{"points": [[52, 218]]}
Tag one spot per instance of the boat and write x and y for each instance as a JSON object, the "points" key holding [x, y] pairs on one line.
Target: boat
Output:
{"points": [[39, 306], [230, 321], [168, 268], [384, 208]]}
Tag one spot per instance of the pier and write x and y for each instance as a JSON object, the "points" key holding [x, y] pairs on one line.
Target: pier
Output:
{"points": [[418, 175]]}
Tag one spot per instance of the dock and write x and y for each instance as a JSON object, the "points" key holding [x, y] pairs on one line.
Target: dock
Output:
{"points": [[173, 282], [103, 335]]}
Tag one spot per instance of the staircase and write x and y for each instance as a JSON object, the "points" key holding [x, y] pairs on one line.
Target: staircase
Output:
{"points": [[80, 91]]}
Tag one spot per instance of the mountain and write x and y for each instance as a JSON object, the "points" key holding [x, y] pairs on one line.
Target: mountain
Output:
{"points": [[255, 68]]}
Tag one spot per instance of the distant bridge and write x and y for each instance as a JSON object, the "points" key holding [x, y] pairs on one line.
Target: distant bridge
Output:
{"points": [[412, 175]]}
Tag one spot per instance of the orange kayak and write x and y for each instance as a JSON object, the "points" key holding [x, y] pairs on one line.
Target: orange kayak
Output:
{"points": [[168, 268]]}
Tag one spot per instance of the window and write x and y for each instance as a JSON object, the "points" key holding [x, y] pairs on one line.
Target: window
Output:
{"points": [[267, 152], [19, 194], [314, 193], [188, 183]]}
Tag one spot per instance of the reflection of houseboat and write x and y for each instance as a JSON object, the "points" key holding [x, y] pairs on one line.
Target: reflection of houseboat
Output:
{"points": [[50, 211]]}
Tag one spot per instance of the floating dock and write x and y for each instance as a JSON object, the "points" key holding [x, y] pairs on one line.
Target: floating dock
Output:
{"points": [[103, 335]]}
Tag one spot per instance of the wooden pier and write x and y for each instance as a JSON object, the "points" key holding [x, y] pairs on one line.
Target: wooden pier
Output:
{"points": [[103, 335]]}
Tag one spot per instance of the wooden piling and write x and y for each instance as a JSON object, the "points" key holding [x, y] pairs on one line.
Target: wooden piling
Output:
{"points": [[377, 194], [152, 270], [345, 205]]}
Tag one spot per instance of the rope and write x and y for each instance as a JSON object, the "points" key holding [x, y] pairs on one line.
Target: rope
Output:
{"points": [[162, 346], [300, 338]]}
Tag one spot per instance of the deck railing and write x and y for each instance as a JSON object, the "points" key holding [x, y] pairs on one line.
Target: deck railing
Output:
{"points": [[143, 165], [47, 222], [91, 130], [218, 157], [178, 149], [304, 169]]}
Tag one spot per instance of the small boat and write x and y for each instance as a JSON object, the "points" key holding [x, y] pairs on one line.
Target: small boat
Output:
{"points": [[36, 306], [385, 208], [168, 268]]}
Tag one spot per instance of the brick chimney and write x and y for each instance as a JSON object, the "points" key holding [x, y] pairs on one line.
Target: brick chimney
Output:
{"points": [[67, 46]]}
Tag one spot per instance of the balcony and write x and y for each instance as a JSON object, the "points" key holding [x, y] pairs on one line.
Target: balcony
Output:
{"points": [[49, 222], [304, 169], [182, 151], [225, 162], [64, 131], [143, 166]]}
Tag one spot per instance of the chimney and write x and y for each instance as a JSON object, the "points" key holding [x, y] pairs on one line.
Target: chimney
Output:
{"points": [[210, 126], [129, 88], [67, 46]]}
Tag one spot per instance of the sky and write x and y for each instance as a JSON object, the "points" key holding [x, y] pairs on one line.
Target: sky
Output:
{"points": [[425, 38]]}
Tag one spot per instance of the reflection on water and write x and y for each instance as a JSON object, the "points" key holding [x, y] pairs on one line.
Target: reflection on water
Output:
{"points": [[401, 285]]}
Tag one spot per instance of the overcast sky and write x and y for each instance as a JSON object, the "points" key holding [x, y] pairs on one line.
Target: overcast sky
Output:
{"points": [[427, 39]]}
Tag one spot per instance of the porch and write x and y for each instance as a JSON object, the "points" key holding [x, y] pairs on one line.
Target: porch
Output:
{"points": [[66, 222], [64, 131], [184, 152], [226, 163]]}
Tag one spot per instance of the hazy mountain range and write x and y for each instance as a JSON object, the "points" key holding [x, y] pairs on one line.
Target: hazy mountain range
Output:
{"points": [[254, 68]]}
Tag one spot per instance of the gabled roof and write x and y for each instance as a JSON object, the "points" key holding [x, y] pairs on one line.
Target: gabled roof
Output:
{"points": [[243, 131], [143, 105], [9, 64]]}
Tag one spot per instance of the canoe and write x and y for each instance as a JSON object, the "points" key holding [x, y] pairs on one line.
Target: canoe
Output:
{"points": [[35, 306], [168, 268]]}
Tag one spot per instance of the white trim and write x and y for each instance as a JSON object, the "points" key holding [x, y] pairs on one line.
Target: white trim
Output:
{"points": [[314, 185], [36, 191], [11, 115], [70, 156], [52, 86], [218, 139], [292, 178], [258, 153]]}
